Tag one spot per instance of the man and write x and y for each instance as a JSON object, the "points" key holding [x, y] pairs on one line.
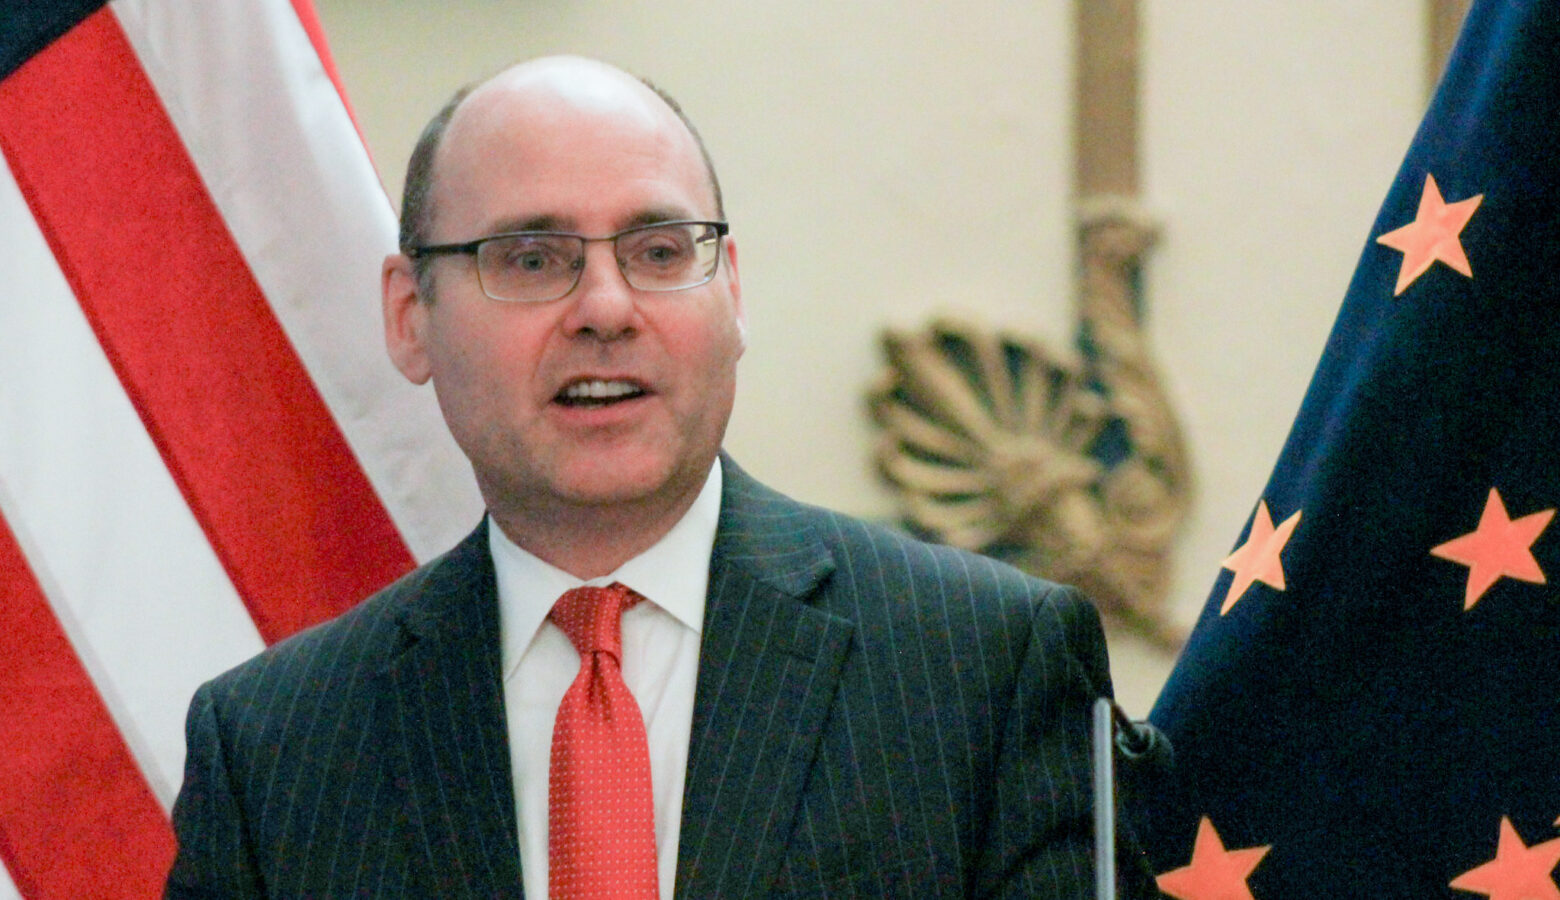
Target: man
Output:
{"points": [[827, 708]]}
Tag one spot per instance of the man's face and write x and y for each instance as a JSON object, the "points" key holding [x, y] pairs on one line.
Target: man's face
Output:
{"points": [[513, 379]]}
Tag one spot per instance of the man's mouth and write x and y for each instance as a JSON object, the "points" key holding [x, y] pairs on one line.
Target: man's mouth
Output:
{"points": [[597, 393]]}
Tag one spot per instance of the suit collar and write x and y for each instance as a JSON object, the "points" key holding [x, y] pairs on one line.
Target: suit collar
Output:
{"points": [[445, 707], [768, 537], [445, 599], [768, 667]]}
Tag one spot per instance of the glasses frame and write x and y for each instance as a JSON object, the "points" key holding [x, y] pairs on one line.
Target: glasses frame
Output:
{"points": [[472, 248]]}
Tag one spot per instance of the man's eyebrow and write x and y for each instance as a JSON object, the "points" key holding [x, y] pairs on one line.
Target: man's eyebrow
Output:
{"points": [[657, 215], [529, 223], [548, 222]]}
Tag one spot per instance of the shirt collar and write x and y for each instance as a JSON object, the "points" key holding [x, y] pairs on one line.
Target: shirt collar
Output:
{"points": [[673, 574]]}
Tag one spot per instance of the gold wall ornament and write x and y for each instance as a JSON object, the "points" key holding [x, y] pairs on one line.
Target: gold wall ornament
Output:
{"points": [[1068, 465]]}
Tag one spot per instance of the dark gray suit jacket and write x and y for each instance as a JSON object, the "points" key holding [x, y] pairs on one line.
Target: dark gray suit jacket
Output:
{"points": [[874, 717]]}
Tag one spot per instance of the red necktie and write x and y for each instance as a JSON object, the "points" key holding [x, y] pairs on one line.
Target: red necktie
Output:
{"points": [[600, 811]]}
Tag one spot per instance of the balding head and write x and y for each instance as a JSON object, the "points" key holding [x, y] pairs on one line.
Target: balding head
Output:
{"points": [[555, 83]]}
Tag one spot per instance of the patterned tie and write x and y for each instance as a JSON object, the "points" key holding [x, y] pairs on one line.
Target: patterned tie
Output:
{"points": [[600, 811]]}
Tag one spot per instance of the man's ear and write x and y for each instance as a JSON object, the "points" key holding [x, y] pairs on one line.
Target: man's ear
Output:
{"points": [[734, 280], [406, 318]]}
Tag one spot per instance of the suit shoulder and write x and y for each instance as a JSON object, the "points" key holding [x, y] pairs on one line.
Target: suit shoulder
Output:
{"points": [[878, 545], [369, 631], [975, 599], [892, 583], [803, 543], [296, 660]]}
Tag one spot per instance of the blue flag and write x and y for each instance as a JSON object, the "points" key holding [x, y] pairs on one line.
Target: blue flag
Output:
{"points": [[1369, 705]]}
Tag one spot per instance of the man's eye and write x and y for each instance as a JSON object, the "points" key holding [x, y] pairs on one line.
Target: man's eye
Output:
{"points": [[532, 259], [659, 254]]}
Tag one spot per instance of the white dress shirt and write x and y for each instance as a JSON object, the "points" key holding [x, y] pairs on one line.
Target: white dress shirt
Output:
{"points": [[660, 666]]}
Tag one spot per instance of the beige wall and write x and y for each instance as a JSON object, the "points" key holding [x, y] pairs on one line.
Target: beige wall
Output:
{"points": [[885, 161]]}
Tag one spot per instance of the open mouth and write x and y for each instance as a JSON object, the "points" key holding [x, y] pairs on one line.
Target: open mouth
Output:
{"points": [[596, 393]]}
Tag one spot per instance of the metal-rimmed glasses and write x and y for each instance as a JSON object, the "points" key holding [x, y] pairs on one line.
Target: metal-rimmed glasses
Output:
{"points": [[538, 266]]}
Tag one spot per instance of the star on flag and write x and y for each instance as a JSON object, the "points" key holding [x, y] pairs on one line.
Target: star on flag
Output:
{"points": [[1258, 558], [1435, 234], [1214, 872], [1518, 872], [1499, 548]]}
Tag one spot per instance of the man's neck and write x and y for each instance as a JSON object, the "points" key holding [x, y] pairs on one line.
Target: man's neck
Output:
{"points": [[590, 541]]}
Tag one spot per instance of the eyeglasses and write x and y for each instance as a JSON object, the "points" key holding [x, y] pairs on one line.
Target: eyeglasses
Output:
{"points": [[538, 266]]}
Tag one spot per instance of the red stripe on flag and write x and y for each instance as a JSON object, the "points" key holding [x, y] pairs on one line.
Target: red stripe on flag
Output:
{"points": [[202, 356], [76, 816]]}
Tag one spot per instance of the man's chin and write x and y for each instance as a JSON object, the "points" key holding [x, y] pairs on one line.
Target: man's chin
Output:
{"points": [[623, 483], [618, 483]]}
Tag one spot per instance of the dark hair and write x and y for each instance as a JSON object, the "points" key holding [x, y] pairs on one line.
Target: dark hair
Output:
{"points": [[415, 212], [416, 195]]}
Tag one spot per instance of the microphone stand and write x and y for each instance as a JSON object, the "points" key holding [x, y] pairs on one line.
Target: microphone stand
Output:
{"points": [[1104, 752]]}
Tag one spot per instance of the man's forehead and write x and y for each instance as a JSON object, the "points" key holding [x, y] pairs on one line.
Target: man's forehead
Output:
{"points": [[562, 109], [556, 88], [563, 105], [587, 84]]}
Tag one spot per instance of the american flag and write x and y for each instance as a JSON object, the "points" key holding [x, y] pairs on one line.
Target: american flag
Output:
{"points": [[1369, 705], [202, 445]]}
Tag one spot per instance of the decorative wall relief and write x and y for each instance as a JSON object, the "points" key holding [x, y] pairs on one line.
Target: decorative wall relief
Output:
{"points": [[1068, 464]]}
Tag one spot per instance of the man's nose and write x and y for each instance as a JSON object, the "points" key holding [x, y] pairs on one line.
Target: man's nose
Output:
{"points": [[602, 304]]}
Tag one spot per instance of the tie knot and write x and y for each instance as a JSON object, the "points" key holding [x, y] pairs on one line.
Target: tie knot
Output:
{"points": [[592, 617]]}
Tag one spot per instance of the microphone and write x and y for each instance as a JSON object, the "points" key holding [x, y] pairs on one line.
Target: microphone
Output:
{"points": [[1141, 745]]}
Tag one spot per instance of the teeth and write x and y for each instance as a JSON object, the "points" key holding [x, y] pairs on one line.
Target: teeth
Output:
{"points": [[599, 390]]}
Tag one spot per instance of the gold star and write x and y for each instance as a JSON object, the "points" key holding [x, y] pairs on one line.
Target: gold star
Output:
{"points": [[1499, 548], [1433, 235], [1257, 559], [1518, 872], [1214, 872]]}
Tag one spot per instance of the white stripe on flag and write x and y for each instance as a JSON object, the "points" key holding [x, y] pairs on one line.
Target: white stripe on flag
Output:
{"points": [[106, 531], [8, 889], [284, 164]]}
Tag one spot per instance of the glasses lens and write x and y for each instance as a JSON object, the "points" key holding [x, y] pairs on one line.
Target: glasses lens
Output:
{"points": [[669, 257], [530, 267]]}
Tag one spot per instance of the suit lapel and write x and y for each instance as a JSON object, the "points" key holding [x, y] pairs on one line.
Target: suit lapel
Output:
{"points": [[445, 706], [768, 668]]}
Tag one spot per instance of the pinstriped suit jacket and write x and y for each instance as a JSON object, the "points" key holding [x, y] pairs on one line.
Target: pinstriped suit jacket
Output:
{"points": [[874, 717]]}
